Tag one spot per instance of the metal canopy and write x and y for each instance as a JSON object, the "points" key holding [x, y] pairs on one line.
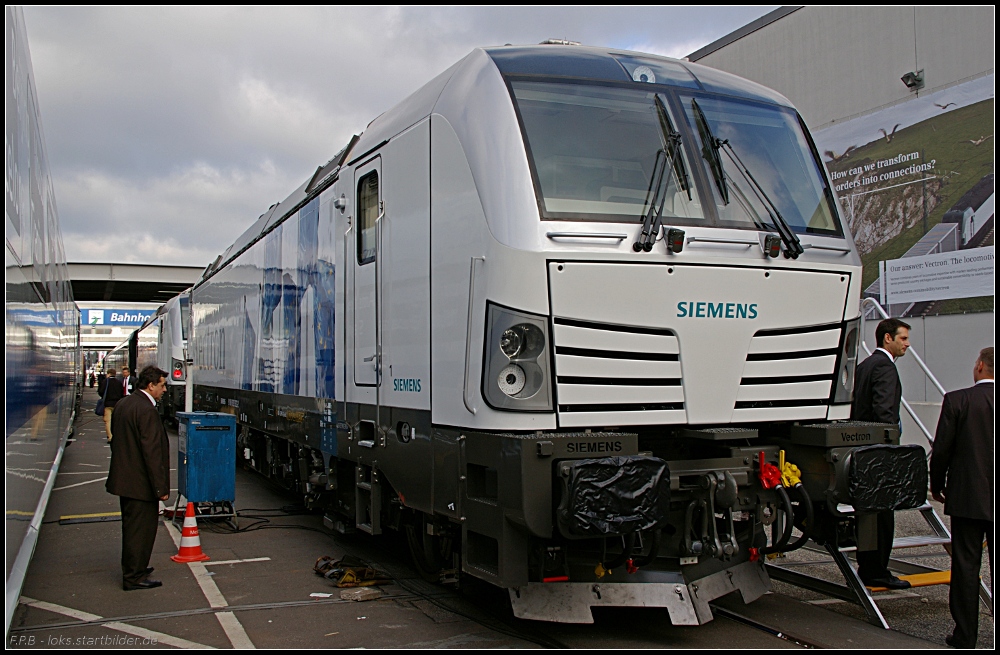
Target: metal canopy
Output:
{"points": [[130, 282]]}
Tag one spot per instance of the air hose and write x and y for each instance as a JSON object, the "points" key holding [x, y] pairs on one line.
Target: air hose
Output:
{"points": [[807, 524], [778, 478], [791, 478], [786, 533], [626, 553]]}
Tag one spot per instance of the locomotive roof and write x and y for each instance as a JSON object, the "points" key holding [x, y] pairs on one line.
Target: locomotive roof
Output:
{"points": [[607, 64], [554, 61], [549, 60]]}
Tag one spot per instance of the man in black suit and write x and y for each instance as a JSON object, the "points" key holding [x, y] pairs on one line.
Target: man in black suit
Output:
{"points": [[127, 381], [962, 479], [140, 474], [877, 395]]}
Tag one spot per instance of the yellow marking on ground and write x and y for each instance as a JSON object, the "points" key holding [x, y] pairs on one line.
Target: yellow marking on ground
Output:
{"points": [[88, 516], [17, 512]]}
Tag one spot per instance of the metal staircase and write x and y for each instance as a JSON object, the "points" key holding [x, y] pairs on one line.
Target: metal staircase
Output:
{"points": [[854, 590]]}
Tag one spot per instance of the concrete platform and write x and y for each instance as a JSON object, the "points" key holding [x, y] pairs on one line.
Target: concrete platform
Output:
{"points": [[257, 589]]}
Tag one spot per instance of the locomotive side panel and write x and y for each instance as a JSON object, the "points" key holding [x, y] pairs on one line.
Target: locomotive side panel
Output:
{"points": [[265, 322], [405, 272], [150, 338], [468, 268], [262, 344], [458, 262]]}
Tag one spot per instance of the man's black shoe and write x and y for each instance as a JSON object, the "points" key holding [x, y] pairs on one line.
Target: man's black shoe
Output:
{"points": [[891, 582], [952, 641], [149, 569], [145, 584]]}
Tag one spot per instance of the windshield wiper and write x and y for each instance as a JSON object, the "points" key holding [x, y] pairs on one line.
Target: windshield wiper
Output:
{"points": [[651, 219], [672, 144], [710, 151], [656, 195], [793, 247]]}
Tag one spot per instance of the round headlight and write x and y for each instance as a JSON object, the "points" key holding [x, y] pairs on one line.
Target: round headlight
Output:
{"points": [[511, 379], [511, 342]]}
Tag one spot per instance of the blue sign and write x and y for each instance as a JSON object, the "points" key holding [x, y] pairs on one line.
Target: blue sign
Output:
{"points": [[115, 316]]}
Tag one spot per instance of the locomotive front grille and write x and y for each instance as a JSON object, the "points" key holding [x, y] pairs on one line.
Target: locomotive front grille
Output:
{"points": [[616, 375], [789, 368]]}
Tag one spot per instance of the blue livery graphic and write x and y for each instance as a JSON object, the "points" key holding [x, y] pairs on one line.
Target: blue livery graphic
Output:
{"points": [[272, 324]]}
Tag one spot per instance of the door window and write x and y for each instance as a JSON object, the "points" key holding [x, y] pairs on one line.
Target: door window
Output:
{"points": [[368, 210]]}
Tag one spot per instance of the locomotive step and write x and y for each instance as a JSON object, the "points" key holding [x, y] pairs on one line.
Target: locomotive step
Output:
{"points": [[918, 541], [922, 579]]}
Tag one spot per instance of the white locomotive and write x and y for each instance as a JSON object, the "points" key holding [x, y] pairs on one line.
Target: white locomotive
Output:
{"points": [[554, 315], [162, 342]]}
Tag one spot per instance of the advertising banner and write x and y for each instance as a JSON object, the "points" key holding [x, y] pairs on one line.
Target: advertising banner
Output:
{"points": [[958, 274], [916, 179]]}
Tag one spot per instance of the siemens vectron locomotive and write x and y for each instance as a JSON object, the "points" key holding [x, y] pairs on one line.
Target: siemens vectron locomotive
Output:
{"points": [[559, 316]]}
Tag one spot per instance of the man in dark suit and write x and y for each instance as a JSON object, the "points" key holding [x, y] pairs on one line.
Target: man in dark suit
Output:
{"points": [[962, 479], [877, 396], [127, 382], [140, 474]]}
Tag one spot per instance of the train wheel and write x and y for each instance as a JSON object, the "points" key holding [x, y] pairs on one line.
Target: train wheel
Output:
{"points": [[425, 549]]}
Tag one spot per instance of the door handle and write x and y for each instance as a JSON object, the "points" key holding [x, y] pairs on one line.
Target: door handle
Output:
{"points": [[369, 359]]}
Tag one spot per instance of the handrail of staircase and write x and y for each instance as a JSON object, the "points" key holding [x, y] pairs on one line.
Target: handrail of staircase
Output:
{"points": [[871, 302]]}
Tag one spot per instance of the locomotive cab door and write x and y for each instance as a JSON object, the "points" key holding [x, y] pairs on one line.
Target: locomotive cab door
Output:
{"points": [[367, 346]]}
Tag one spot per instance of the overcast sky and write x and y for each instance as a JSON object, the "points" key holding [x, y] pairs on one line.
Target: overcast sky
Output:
{"points": [[169, 130]]}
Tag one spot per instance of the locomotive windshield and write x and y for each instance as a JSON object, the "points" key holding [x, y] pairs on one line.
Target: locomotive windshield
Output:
{"points": [[593, 150], [185, 315], [759, 159]]}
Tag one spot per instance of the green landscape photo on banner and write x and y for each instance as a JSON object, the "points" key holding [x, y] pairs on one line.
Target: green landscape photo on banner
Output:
{"points": [[917, 179]]}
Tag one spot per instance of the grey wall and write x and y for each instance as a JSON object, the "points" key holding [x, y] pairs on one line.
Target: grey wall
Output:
{"points": [[834, 63]]}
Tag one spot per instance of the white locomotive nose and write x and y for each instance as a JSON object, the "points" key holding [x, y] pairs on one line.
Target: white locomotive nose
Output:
{"points": [[511, 380]]}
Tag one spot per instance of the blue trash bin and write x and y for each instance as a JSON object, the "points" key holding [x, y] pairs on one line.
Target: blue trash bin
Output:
{"points": [[206, 457]]}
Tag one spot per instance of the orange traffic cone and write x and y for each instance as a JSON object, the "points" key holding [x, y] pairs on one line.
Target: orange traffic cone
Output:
{"points": [[190, 550]]}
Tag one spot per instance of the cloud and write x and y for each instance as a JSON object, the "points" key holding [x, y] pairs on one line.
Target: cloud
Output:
{"points": [[170, 129], [675, 49], [184, 218]]}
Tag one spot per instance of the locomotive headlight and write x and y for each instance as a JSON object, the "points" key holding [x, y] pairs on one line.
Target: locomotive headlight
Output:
{"points": [[510, 341], [511, 380], [516, 362], [177, 370], [847, 361]]}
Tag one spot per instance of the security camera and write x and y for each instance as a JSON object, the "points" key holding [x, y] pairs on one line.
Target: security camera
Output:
{"points": [[914, 81]]}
